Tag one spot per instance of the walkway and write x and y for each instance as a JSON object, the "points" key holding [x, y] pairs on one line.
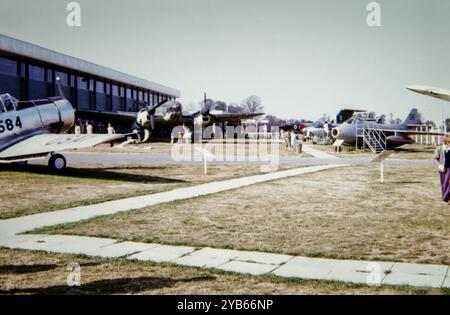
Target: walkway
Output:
{"points": [[254, 263]]}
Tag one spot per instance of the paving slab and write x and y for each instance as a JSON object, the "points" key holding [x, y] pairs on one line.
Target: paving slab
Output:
{"points": [[162, 253], [414, 280], [74, 244], [121, 249], [247, 268], [29, 242], [446, 284], [207, 253], [300, 272], [202, 262], [263, 258], [351, 276], [420, 269]]}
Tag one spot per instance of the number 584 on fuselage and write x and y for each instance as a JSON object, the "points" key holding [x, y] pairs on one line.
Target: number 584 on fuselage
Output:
{"points": [[36, 129]]}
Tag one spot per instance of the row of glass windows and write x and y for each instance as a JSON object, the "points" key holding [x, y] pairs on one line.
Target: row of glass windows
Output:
{"points": [[14, 68]]}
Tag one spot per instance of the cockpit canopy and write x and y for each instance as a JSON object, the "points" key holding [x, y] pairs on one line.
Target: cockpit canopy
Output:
{"points": [[363, 116], [8, 103]]}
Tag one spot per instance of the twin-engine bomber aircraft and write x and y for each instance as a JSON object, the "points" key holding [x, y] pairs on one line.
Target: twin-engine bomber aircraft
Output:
{"points": [[146, 120], [36, 129]]}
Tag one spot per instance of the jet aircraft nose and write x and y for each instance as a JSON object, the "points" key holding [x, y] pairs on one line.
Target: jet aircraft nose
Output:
{"points": [[336, 132]]}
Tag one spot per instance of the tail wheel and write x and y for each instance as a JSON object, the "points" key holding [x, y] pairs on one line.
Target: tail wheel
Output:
{"points": [[57, 162]]}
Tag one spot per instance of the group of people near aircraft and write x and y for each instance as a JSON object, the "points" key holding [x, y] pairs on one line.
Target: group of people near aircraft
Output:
{"points": [[39, 128]]}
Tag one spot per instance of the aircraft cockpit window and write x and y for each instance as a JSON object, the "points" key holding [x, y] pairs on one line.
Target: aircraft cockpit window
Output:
{"points": [[7, 103], [9, 106]]}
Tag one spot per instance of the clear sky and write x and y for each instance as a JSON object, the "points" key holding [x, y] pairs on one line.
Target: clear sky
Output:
{"points": [[303, 58]]}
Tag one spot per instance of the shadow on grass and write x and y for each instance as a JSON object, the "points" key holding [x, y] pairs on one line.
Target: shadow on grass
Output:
{"points": [[24, 269], [110, 286], [91, 173]]}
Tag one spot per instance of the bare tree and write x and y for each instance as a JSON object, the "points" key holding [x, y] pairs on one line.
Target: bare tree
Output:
{"points": [[235, 108], [220, 105], [191, 107], [253, 104]]}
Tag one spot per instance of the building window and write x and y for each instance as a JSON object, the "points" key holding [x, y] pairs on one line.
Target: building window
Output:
{"points": [[146, 97], [71, 80], [108, 88], [91, 85], [128, 93], [49, 75], [8, 66], [122, 91], [100, 86], [82, 83], [22, 71], [115, 90], [63, 78], [37, 73]]}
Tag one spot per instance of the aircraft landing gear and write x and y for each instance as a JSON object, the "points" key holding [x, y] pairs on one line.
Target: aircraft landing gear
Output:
{"points": [[57, 162]]}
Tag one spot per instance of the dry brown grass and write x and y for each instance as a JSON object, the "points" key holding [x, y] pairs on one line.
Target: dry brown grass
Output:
{"points": [[24, 272], [342, 213], [31, 189]]}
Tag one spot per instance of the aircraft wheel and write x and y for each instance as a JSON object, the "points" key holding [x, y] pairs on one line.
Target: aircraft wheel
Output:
{"points": [[57, 162]]}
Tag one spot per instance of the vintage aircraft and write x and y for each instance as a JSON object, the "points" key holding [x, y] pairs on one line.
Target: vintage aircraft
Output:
{"points": [[36, 129], [146, 120], [297, 127], [442, 94], [396, 134]]}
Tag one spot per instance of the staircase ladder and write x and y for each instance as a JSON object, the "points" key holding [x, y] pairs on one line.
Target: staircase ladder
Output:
{"points": [[374, 138]]}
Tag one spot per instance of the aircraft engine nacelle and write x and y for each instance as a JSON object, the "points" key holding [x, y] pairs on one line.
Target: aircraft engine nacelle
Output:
{"points": [[58, 116], [55, 114]]}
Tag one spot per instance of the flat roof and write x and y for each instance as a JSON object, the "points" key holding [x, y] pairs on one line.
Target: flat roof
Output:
{"points": [[24, 49]]}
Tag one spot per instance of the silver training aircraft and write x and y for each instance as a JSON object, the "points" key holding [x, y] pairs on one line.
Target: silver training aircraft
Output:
{"points": [[37, 129]]}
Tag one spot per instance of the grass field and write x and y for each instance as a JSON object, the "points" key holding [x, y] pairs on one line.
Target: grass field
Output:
{"points": [[342, 213], [24, 272], [34, 188]]}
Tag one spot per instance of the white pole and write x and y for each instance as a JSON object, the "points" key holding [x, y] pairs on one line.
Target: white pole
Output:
{"points": [[205, 163]]}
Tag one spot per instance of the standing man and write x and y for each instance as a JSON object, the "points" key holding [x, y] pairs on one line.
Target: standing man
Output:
{"points": [[111, 132]]}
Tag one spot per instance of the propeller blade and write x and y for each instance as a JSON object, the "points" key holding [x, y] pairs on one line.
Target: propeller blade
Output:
{"points": [[152, 110], [146, 135], [152, 122]]}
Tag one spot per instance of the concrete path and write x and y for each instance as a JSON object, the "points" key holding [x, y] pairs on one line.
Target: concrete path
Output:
{"points": [[254, 263], [244, 262], [317, 153], [151, 159]]}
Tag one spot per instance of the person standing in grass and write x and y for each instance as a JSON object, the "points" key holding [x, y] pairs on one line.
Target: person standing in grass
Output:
{"points": [[442, 162]]}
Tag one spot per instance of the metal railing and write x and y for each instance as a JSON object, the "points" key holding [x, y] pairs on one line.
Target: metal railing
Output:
{"points": [[372, 137]]}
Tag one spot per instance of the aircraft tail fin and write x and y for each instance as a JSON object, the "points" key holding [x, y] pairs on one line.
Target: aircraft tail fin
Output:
{"points": [[413, 118]]}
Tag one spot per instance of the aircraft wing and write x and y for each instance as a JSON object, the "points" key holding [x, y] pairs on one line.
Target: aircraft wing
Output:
{"points": [[231, 117], [442, 94], [112, 117], [411, 132], [43, 144]]}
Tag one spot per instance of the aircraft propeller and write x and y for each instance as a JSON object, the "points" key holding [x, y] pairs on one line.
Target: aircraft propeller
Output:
{"points": [[206, 111], [146, 118]]}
